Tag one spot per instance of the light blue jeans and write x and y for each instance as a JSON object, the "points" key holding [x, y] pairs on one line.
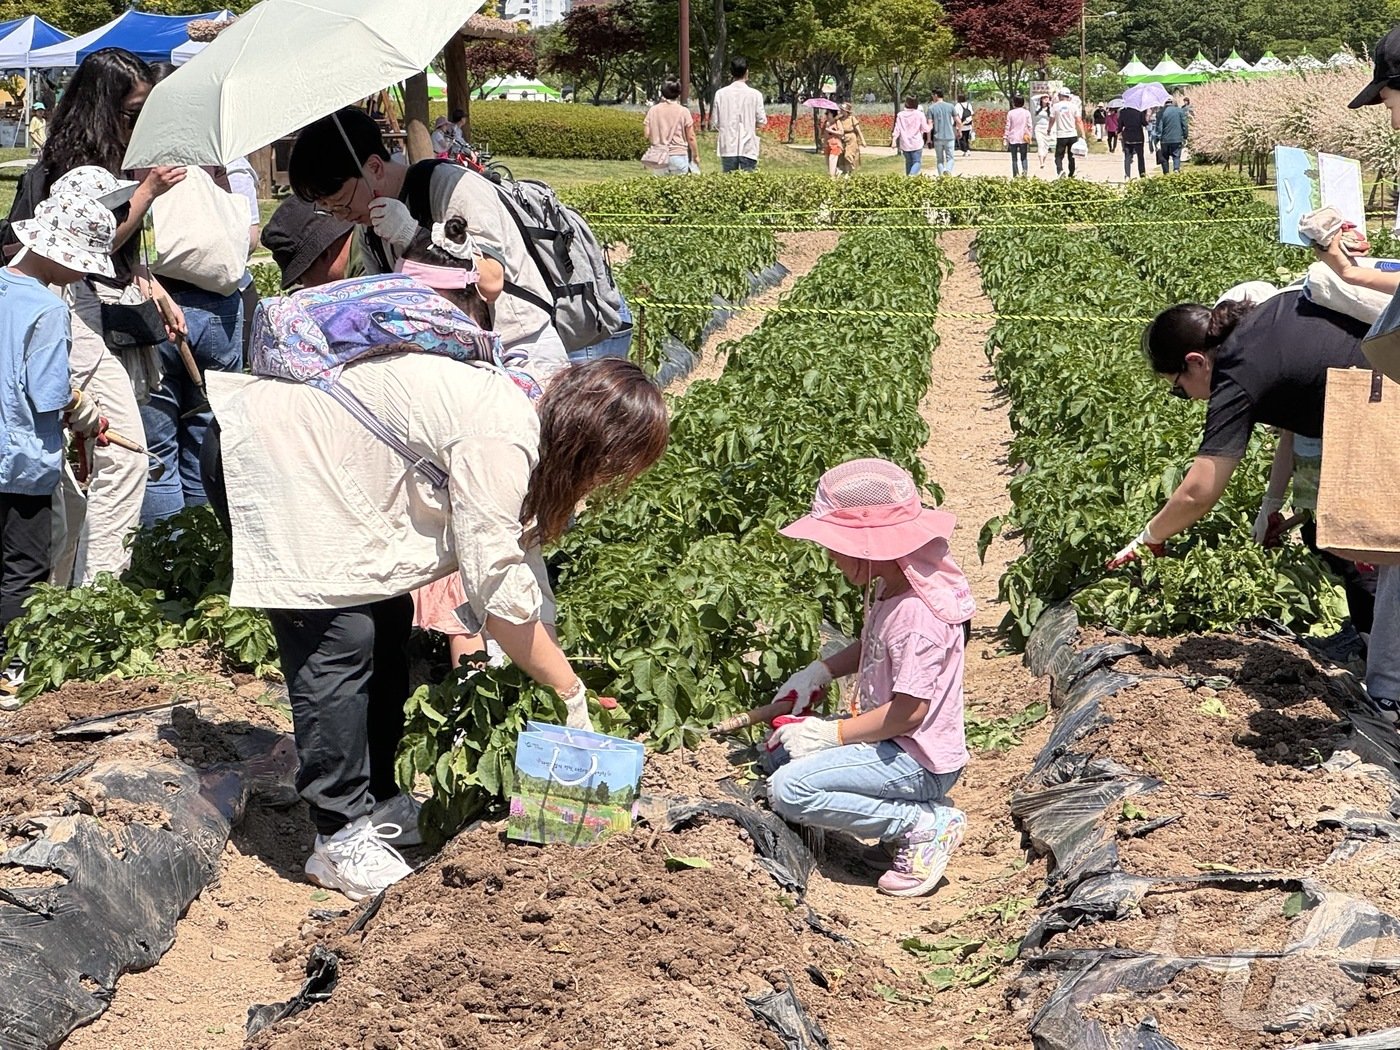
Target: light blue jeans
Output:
{"points": [[943, 151], [913, 160], [871, 791]]}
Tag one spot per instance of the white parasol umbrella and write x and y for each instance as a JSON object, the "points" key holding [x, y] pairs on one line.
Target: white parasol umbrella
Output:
{"points": [[1145, 96], [282, 65], [1116, 103], [821, 103]]}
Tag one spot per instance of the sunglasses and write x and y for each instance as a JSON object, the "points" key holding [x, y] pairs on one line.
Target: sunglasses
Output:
{"points": [[131, 116]]}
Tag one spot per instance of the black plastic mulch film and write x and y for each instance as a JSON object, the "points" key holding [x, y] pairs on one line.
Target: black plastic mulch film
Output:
{"points": [[1067, 811], [679, 360], [118, 895]]}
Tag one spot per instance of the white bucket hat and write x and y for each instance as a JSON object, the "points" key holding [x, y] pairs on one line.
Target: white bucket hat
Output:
{"points": [[76, 232], [97, 183]]}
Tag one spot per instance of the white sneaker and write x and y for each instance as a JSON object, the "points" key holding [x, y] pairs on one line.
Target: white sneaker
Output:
{"points": [[356, 860], [401, 812]]}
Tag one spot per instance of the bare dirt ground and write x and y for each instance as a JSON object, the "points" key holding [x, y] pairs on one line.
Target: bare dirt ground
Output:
{"points": [[799, 252]]}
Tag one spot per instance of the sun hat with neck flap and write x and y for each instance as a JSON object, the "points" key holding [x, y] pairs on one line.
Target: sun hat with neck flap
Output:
{"points": [[870, 508]]}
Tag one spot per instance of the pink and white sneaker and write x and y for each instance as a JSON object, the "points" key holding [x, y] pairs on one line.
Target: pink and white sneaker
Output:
{"points": [[924, 854]]}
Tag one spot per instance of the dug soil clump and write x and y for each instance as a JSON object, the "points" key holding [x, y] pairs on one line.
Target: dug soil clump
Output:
{"points": [[647, 940]]}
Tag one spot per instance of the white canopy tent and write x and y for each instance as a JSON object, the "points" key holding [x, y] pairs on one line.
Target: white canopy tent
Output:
{"points": [[1166, 68], [1305, 62], [1235, 64], [1135, 68], [18, 42], [1342, 59], [1270, 63], [190, 48], [1201, 64], [151, 37]]}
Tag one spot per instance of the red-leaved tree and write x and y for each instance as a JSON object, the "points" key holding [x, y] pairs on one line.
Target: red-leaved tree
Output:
{"points": [[486, 60], [594, 39], [1011, 35]]}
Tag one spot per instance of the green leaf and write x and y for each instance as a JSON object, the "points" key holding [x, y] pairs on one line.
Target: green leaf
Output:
{"points": [[1295, 904], [1214, 706], [676, 863], [1133, 812]]}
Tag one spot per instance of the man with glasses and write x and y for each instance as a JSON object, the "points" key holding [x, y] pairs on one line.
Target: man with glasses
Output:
{"points": [[341, 165]]}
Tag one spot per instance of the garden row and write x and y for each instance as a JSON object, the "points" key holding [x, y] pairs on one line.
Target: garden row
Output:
{"points": [[1099, 444], [691, 604]]}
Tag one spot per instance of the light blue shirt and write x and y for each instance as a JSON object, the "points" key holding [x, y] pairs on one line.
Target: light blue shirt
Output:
{"points": [[940, 115], [35, 337]]}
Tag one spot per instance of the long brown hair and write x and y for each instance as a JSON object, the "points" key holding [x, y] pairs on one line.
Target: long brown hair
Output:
{"points": [[602, 424]]}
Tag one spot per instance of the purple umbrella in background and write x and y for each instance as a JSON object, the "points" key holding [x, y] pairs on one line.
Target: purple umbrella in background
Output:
{"points": [[1145, 96], [821, 103]]}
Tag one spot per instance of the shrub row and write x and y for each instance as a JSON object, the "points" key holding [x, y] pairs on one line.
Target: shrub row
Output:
{"points": [[555, 129]]}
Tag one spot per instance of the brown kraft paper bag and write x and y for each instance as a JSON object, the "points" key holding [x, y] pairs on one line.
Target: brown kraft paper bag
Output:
{"points": [[1358, 496]]}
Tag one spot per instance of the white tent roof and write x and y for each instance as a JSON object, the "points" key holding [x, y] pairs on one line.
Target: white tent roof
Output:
{"points": [[1305, 61], [1201, 64], [1235, 64], [1342, 58], [1166, 67], [1270, 63], [21, 37], [1135, 68]]}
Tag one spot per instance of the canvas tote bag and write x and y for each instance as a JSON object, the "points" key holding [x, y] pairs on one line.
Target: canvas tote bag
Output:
{"points": [[201, 234], [1358, 496]]}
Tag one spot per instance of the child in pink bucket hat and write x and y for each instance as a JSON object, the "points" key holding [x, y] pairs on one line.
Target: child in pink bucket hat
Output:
{"points": [[885, 772]]}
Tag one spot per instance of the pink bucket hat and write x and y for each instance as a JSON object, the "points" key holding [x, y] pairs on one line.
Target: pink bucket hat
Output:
{"points": [[869, 508]]}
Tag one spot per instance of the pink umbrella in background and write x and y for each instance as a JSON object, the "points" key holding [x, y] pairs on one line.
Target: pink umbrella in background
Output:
{"points": [[821, 103]]}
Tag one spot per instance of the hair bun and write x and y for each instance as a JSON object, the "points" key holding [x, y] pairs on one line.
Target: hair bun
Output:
{"points": [[456, 228]]}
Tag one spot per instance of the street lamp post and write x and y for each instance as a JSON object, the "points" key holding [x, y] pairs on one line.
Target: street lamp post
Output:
{"points": [[685, 51], [1084, 17], [898, 86]]}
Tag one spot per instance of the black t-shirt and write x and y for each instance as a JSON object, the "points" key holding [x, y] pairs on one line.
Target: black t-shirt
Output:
{"points": [[1273, 370], [1132, 124]]}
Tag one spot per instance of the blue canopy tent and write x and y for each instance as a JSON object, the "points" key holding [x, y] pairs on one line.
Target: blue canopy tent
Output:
{"points": [[152, 37], [19, 39]]}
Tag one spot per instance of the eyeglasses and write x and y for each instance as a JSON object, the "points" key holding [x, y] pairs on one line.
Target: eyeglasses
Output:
{"points": [[344, 209], [1177, 389]]}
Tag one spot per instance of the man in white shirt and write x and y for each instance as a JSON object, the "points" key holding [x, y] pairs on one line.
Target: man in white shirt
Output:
{"points": [[738, 113], [1066, 127]]}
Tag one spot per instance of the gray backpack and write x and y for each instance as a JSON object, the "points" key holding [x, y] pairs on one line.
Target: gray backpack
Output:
{"points": [[586, 306]]}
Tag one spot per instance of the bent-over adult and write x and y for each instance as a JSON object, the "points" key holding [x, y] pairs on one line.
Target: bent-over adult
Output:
{"points": [[333, 528]]}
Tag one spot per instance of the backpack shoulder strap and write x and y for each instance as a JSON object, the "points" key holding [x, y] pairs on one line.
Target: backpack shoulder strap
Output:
{"points": [[433, 471]]}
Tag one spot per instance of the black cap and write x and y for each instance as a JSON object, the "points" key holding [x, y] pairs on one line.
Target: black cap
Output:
{"points": [[297, 234], [1387, 69]]}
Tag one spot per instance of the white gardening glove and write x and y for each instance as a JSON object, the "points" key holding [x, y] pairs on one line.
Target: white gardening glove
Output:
{"points": [[1267, 509], [805, 736], [390, 218], [576, 700], [805, 686]]}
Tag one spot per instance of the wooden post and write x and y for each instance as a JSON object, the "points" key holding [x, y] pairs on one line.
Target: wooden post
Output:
{"points": [[455, 57], [264, 168], [415, 118]]}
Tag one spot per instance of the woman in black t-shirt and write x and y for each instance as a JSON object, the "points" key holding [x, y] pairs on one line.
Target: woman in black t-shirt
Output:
{"points": [[1253, 364]]}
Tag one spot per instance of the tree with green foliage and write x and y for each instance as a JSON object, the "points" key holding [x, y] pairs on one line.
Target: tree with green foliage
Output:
{"points": [[900, 40], [593, 42]]}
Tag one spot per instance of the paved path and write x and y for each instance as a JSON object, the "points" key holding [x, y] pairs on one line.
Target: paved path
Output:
{"points": [[1096, 167]]}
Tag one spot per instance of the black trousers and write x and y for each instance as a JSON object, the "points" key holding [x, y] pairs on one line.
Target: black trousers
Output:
{"points": [[1131, 149], [26, 530], [347, 675], [1112, 141], [1361, 603], [965, 140], [1065, 148]]}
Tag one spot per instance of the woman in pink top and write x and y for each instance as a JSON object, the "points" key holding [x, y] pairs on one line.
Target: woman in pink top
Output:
{"points": [[1018, 135], [911, 127], [670, 126], [884, 772]]}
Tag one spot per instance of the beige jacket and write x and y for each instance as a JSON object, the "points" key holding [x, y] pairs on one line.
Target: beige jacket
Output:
{"points": [[325, 515]]}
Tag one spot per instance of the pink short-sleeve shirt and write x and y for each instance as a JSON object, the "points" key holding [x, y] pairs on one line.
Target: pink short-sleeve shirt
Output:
{"points": [[906, 649]]}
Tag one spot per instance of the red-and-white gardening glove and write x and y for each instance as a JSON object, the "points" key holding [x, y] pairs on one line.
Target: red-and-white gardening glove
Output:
{"points": [[1266, 523], [85, 419], [801, 737], [805, 687], [1133, 551]]}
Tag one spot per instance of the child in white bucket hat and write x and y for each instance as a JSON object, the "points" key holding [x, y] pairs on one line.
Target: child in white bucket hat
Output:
{"points": [[68, 238], [885, 772]]}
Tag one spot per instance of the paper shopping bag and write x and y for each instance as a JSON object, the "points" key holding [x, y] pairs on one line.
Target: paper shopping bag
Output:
{"points": [[572, 785], [1358, 494]]}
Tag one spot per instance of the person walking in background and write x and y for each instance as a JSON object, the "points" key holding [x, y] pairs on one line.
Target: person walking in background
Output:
{"points": [[670, 126], [1100, 119], [852, 139], [738, 113], [1172, 128], [38, 127], [1132, 128], [1110, 128], [910, 128], [964, 111], [1042, 128], [1067, 125], [943, 121], [1151, 119], [832, 143], [1017, 136]]}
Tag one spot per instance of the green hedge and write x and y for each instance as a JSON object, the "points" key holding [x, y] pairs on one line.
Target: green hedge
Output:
{"points": [[555, 129]]}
